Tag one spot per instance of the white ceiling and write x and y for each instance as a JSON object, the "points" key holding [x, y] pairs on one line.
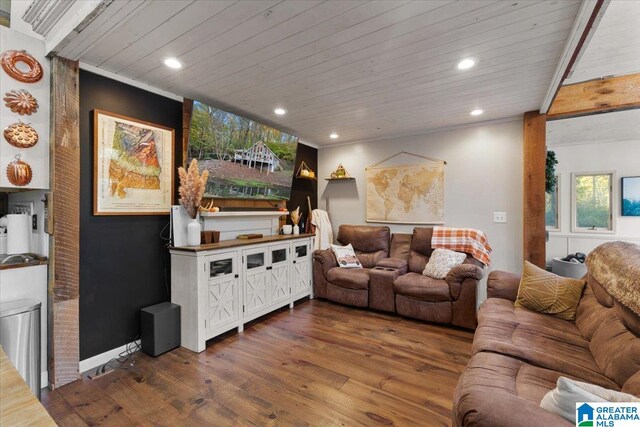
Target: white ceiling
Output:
{"points": [[366, 70], [614, 48], [599, 128]]}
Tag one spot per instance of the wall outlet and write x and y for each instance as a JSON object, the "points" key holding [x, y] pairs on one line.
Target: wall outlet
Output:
{"points": [[500, 217], [34, 222]]}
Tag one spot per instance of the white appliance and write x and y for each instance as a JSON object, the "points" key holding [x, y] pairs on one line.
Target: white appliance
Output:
{"points": [[179, 220], [18, 233]]}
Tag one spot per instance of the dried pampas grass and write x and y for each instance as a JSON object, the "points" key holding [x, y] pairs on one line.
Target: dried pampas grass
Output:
{"points": [[295, 216], [192, 184]]}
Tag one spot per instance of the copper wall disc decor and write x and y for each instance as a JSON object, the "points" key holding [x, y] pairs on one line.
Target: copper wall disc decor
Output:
{"points": [[19, 172], [21, 135], [10, 58], [21, 101]]}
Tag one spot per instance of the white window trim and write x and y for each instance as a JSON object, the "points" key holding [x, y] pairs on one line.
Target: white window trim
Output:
{"points": [[612, 203], [557, 229]]}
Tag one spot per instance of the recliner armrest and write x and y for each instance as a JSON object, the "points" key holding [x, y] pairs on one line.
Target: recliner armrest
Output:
{"points": [[326, 258], [502, 284], [459, 274], [394, 263]]}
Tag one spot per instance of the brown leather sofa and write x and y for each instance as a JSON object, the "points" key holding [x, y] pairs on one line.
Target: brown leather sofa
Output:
{"points": [[392, 279], [519, 354], [350, 286]]}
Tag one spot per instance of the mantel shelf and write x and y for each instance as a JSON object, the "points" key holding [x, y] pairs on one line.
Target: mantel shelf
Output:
{"points": [[230, 214]]}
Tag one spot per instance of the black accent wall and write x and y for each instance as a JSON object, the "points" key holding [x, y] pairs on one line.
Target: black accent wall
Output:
{"points": [[301, 188], [122, 258]]}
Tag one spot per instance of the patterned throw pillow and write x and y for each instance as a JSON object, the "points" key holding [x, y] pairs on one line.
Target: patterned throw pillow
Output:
{"points": [[346, 256], [441, 261], [549, 293]]}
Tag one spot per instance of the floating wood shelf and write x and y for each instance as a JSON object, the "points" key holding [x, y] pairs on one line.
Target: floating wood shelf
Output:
{"points": [[348, 178]]}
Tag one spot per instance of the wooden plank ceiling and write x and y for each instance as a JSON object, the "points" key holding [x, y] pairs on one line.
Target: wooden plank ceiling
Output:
{"points": [[365, 70], [599, 128], [614, 48]]}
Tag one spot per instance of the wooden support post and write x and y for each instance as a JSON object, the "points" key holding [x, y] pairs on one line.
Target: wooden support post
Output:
{"points": [[535, 157], [64, 266]]}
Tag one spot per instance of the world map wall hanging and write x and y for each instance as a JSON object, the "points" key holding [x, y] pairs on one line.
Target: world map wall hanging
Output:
{"points": [[406, 194]]}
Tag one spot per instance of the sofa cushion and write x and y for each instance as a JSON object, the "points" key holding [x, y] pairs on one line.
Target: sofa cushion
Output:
{"points": [[548, 293], [370, 243], [420, 248], [616, 350], [400, 246], [501, 391], [350, 278], [612, 332], [423, 288], [562, 399], [539, 340], [441, 262], [632, 386], [345, 256]]}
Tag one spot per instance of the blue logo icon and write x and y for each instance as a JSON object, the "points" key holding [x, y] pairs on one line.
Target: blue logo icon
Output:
{"points": [[585, 416]]}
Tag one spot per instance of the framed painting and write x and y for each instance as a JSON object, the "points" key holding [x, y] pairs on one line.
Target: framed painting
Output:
{"points": [[630, 196], [133, 167]]}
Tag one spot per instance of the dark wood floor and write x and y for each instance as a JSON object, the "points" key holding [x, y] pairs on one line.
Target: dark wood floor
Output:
{"points": [[318, 364]]}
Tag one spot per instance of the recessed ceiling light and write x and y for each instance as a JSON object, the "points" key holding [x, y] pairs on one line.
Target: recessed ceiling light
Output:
{"points": [[173, 63], [280, 111], [466, 63], [334, 135], [477, 112]]}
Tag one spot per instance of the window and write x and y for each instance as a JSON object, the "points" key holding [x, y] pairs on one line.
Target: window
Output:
{"points": [[592, 204], [552, 207]]}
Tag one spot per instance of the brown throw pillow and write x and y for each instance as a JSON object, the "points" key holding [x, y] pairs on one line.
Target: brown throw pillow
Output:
{"points": [[549, 293]]}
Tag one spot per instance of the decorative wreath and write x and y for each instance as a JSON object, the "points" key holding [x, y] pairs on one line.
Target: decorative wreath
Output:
{"points": [[10, 58]]}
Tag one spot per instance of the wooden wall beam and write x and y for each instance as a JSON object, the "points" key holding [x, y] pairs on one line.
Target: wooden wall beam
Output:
{"points": [[596, 96], [535, 157], [64, 282]]}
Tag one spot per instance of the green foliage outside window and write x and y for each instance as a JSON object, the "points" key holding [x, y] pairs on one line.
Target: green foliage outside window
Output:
{"points": [[551, 208], [593, 201]]}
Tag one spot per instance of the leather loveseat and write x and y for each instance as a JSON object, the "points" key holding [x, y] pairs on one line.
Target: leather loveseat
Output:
{"points": [[518, 354], [392, 279]]}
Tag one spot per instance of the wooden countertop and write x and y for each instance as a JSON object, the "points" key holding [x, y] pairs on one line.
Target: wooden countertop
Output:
{"points": [[18, 406], [36, 261], [225, 244]]}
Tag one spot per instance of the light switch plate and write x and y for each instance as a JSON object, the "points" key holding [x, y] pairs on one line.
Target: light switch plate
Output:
{"points": [[500, 217]]}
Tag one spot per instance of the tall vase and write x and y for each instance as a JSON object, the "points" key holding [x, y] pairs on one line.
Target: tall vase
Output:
{"points": [[296, 229], [193, 232]]}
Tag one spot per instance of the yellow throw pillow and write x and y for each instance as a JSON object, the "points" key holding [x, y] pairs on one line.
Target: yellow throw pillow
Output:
{"points": [[549, 293]]}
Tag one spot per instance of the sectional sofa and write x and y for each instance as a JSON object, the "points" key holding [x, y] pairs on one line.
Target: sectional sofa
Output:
{"points": [[518, 354], [391, 279]]}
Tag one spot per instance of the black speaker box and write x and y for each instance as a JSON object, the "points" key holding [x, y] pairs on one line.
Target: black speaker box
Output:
{"points": [[160, 328]]}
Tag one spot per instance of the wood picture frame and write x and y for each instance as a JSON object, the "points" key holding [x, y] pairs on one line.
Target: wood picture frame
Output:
{"points": [[133, 166]]}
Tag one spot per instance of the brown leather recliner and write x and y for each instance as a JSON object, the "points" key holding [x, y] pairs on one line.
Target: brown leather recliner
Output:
{"points": [[392, 279], [449, 300], [350, 286]]}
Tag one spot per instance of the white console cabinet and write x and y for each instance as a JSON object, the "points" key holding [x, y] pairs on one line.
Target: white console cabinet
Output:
{"points": [[224, 285]]}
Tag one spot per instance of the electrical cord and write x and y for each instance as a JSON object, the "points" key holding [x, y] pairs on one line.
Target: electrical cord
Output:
{"points": [[122, 359], [166, 244]]}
